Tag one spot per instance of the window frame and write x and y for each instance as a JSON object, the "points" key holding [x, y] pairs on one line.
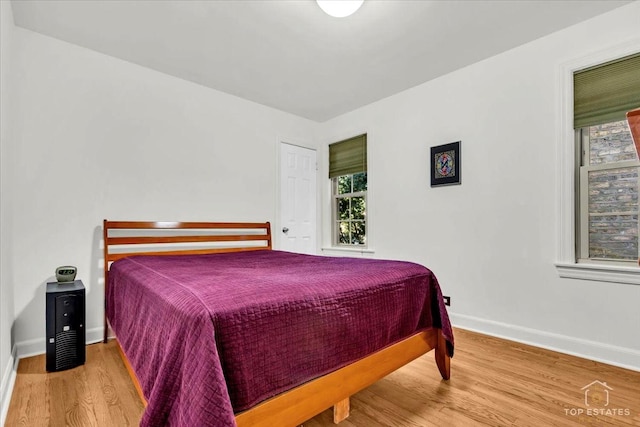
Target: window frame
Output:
{"points": [[335, 196], [567, 180]]}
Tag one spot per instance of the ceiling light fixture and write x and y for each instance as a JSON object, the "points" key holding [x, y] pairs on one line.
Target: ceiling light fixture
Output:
{"points": [[340, 8]]}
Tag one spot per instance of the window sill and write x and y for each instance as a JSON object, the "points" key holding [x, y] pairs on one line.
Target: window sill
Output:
{"points": [[600, 272], [347, 249]]}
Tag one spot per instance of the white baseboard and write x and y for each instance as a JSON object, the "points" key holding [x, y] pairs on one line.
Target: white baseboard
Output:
{"points": [[37, 346], [6, 385], [612, 355]]}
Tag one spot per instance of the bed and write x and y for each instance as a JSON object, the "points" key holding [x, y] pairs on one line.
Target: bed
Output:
{"points": [[217, 328]]}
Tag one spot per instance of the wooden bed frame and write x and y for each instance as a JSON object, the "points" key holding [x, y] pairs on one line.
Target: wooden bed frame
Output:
{"points": [[299, 404]]}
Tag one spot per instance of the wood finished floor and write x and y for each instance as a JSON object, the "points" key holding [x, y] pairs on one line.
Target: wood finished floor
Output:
{"points": [[494, 382]]}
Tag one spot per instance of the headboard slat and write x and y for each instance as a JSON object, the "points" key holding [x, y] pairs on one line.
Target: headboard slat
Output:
{"points": [[135, 225], [136, 240], [117, 256]]}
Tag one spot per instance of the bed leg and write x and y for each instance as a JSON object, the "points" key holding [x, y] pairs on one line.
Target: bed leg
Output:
{"points": [[442, 358], [341, 410]]}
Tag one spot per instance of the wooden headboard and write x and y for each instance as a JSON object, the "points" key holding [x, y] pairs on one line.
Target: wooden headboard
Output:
{"points": [[130, 238]]}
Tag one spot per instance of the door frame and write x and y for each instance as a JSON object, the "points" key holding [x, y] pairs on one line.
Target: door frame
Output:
{"points": [[276, 230]]}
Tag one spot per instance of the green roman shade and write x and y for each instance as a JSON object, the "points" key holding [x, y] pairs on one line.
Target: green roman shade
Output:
{"points": [[348, 156], [606, 92]]}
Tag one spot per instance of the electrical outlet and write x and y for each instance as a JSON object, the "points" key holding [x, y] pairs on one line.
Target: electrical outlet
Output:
{"points": [[447, 300]]}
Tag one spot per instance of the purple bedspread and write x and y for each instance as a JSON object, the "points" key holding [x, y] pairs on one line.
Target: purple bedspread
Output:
{"points": [[210, 335]]}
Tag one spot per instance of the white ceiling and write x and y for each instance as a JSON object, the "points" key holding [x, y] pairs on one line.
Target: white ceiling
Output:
{"points": [[290, 55]]}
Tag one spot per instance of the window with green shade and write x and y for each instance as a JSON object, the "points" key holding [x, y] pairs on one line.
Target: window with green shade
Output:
{"points": [[607, 176], [348, 174]]}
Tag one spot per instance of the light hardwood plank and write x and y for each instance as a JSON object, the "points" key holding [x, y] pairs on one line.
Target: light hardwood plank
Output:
{"points": [[493, 382], [94, 394]]}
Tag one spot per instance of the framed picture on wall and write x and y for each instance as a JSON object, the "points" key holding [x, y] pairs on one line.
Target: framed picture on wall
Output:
{"points": [[445, 164]]}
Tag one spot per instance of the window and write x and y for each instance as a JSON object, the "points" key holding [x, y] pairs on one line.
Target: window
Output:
{"points": [[348, 174], [350, 207], [608, 198], [607, 177]]}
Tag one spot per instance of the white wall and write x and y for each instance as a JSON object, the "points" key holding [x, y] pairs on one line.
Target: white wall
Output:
{"points": [[491, 241], [6, 276], [97, 137]]}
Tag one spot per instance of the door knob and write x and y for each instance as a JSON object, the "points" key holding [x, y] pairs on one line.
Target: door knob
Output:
{"points": [[285, 230]]}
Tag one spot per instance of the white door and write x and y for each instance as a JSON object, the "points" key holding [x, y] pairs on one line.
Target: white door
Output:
{"points": [[297, 199]]}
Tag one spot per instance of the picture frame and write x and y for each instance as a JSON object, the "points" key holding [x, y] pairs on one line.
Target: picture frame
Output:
{"points": [[445, 164]]}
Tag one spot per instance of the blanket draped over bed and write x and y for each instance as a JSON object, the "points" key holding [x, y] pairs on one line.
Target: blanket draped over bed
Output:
{"points": [[210, 335]]}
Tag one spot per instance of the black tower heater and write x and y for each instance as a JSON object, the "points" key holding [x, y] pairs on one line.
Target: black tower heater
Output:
{"points": [[65, 325]]}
